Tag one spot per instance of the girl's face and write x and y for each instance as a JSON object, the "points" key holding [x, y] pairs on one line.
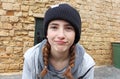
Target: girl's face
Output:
{"points": [[60, 35]]}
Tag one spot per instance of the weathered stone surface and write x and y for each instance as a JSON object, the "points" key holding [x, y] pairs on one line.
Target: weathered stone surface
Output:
{"points": [[2, 12], [25, 7], [100, 27], [7, 6]]}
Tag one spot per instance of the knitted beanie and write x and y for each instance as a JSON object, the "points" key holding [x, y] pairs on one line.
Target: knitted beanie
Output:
{"points": [[64, 12]]}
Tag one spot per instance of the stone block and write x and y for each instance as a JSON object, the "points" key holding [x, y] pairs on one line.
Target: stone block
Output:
{"points": [[18, 13], [9, 50], [5, 39], [28, 27], [13, 19], [18, 44], [25, 14], [18, 50], [12, 32], [9, 1], [14, 67], [18, 26], [3, 66], [8, 61], [30, 2], [31, 34], [4, 19], [24, 8], [5, 43], [4, 56], [28, 44], [17, 38], [7, 26], [21, 33], [2, 49], [30, 13], [28, 39], [16, 7], [7, 6], [10, 13], [4, 32], [2, 12]]}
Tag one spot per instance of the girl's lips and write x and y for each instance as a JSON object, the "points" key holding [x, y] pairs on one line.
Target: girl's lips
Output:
{"points": [[60, 42]]}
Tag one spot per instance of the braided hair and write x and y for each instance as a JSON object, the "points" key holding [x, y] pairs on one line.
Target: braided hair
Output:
{"points": [[46, 54]]}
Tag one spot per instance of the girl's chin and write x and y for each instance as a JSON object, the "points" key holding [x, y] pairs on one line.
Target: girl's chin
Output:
{"points": [[61, 49]]}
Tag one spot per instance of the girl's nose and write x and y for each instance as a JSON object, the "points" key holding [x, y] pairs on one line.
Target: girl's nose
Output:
{"points": [[61, 34]]}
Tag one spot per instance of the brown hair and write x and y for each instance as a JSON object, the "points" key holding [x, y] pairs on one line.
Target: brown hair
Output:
{"points": [[46, 53]]}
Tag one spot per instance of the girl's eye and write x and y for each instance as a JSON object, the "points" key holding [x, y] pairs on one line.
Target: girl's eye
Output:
{"points": [[69, 28], [53, 27]]}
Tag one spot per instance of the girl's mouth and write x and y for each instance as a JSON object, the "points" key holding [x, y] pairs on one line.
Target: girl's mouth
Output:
{"points": [[61, 42]]}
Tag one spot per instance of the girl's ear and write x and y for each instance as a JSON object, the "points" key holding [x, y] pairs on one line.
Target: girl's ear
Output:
{"points": [[47, 36]]}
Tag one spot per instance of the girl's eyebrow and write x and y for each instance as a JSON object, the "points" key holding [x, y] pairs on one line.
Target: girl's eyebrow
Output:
{"points": [[67, 24], [53, 24]]}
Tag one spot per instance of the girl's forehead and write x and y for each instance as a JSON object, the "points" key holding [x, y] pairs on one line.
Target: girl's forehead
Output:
{"points": [[59, 21]]}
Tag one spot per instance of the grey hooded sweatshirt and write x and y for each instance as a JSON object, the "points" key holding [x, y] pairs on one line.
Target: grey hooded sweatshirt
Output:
{"points": [[33, 64]]}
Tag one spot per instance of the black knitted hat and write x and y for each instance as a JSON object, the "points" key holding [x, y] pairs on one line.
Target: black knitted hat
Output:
{"points": [[64, 12]]}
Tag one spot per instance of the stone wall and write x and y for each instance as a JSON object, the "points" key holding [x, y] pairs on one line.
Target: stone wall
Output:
{"points": [[100, 27]]}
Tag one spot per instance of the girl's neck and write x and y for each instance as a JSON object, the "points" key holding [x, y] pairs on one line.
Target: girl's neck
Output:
{"points": [[59, 56], [59, 60]]}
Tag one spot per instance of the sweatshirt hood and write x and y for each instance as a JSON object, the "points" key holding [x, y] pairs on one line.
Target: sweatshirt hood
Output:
{"points": [[78, 56]]}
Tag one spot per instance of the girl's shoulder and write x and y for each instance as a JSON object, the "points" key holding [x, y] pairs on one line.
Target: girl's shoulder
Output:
{"points": [[87, 60], [31, 52], [87, 63]]}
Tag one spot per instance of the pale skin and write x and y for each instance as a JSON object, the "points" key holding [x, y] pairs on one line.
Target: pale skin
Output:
{"points": [[60, 35]]}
